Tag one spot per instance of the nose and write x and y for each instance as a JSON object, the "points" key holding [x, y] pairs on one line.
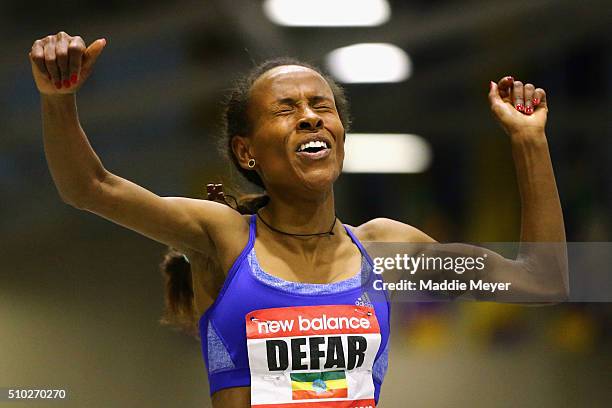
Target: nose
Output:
{"points": [[310, 121]]}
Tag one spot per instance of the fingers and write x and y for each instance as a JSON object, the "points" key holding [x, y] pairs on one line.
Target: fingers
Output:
{"points": [[59, 58], [505, 88], [61, 55], [91, 54], [524, 97], [51, 63], [494, 93], [539, 98], [37, 55], [76, 48], [518, 98], [528, 91]]}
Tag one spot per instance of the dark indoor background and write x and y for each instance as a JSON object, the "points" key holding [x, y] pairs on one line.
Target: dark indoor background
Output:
{"points": [[80, 297]]}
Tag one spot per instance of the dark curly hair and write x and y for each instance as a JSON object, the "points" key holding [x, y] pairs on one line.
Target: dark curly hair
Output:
{"points": [[179, 310]]}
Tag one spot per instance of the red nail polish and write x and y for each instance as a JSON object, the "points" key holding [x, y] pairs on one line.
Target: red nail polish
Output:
{"points": [[74, 78], [520, 108], [511, 78], [58, 84], [528, 110], [536, 101], [66, 83]]}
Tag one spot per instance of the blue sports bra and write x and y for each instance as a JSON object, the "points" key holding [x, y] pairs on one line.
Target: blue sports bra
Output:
{"points": [[248, 289]]}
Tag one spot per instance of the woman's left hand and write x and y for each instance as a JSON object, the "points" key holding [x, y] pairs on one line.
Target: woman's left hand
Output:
{"points": [[520, 109]]}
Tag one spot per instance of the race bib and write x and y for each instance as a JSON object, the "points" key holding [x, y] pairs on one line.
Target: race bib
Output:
{"points": [[312, 356]]}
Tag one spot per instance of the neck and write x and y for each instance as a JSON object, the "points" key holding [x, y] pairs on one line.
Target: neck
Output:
{"points": [[301, 216]]}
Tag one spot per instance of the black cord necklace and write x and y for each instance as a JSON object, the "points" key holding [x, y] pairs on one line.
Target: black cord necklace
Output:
{"points": [[298, 235]]}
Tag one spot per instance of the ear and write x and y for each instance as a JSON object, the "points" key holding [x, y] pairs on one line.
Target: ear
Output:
{"points": [[241, 148]]}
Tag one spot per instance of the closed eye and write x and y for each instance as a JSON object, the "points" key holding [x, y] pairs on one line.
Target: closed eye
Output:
{"points": [[284, 111]]}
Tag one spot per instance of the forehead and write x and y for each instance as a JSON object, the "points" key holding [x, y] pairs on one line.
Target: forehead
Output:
{"points": [[289, 81]]}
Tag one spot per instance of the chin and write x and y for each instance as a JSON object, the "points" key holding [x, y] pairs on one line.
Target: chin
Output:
{"points": [[320, 181]]}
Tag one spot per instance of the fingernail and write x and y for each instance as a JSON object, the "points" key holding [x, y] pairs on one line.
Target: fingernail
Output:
{"points": [[490, 85], [520, 108], [74, 78], [536, 101], [58, 84], [511, 78], [66, 83], [528, 110]]}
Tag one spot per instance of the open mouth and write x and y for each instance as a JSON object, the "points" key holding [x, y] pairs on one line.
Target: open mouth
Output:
{"points": [[314, 146]]}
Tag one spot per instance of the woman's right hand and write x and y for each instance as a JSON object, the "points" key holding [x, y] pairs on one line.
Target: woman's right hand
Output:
{"points": [[61, 63]]}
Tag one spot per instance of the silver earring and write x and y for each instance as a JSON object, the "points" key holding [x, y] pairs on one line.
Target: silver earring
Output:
{"points": [[251, 163]]}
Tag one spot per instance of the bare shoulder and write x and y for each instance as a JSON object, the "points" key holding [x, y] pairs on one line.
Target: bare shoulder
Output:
{"points": [[389, 230], [227, 229], [222, 224], [221, 219], [228, 235], [219, 222]]}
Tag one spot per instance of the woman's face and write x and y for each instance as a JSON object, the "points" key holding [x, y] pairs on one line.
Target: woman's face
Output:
{"points": [[289, 106]]}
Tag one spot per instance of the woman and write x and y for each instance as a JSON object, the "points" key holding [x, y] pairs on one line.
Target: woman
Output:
{"points": [[289, 323]]}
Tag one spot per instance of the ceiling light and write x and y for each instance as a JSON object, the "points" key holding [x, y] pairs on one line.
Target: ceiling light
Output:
{"points": [[327, 12], [374, 62], [386, 153]]}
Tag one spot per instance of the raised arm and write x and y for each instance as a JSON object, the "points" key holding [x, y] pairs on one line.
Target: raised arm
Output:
{"points": [[60, 65], [540, 271]]}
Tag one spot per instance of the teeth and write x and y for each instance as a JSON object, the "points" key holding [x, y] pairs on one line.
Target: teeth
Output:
{"points": [[313, 143]]}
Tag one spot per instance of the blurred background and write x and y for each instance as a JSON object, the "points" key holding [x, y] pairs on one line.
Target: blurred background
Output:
{"points": [[80, 297]]}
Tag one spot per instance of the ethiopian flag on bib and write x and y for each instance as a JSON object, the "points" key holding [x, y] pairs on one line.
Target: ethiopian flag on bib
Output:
{"points": [[328, 384]]}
